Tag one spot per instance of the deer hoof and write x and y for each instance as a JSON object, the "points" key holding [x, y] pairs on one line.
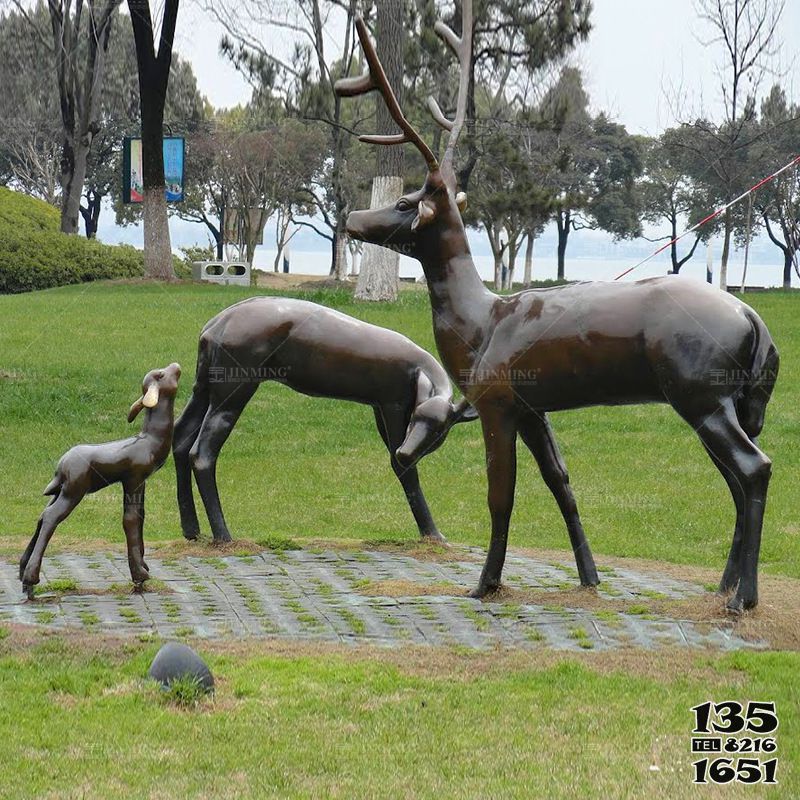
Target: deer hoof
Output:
{"points": [[191, 532], [434, 537], [29, 590], [484, 590], [740, 603]]}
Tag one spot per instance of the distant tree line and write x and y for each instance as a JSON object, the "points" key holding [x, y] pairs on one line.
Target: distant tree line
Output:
{"points": [[534, 151]]}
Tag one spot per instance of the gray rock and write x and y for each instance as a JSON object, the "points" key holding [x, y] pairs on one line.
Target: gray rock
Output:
{"points": [[174, 661]]}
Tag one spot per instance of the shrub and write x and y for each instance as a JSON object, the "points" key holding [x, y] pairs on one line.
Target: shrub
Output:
{"points": [[34, 254]]}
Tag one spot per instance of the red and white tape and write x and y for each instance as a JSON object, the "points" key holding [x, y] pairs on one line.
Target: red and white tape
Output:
{"points": [[710, 217]]}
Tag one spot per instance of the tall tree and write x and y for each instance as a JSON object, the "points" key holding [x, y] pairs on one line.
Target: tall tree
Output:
{"points": [[79, 43], [746, 32], [596, 163], [30, 125], [778, 202], [671, 196], [377, 278], [513, 37], [154, 69], [306, 81]]}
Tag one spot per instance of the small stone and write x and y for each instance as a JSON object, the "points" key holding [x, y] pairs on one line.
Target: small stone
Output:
{"points": [[174, 661]]}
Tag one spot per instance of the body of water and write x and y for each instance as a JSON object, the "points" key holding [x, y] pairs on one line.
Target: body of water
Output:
{"points": [[544, 268]]}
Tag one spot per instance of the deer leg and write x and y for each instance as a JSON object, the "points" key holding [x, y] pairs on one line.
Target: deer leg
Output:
{"points": [[55, 513], [730, 577], [187, 429], [133, 525], [500, 440], [26, 556], [392, 423], [538, 437], [749, 469], [216, 428]]}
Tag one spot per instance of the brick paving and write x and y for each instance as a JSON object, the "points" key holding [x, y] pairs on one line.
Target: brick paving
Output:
{"points": [[313, 594]]}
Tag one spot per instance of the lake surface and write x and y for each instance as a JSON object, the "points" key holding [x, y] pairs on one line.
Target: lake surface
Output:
{"points": [[544, 267]]}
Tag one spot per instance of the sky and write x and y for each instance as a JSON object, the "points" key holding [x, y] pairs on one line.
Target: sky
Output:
{"points": [[640, 55]]}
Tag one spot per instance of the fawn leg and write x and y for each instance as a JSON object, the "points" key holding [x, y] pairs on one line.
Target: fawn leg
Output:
{"points": [[26, 556], [56, 512], [133, 525]]}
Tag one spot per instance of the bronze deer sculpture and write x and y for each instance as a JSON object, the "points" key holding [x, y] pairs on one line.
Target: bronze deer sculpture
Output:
{"points": [[319, 352], [87, 468], [518, 357]]}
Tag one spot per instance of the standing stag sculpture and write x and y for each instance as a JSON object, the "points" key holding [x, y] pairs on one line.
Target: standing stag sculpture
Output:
{"points": [[518, 357], [87, 468], [319, 352]]}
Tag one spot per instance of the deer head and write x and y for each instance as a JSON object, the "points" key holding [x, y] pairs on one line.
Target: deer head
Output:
{"points": [[415, 221], [158, 384]]}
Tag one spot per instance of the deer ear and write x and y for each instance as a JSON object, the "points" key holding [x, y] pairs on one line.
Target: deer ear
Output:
{"points": [[424, 388], [135, 409], [150, 399], [461, 201], [462, 411], [425, 215]]}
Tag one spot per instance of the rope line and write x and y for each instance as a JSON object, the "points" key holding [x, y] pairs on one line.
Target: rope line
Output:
{"points": [[711, 216]]}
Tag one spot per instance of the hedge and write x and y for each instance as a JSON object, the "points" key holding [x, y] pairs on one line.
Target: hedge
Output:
{"points": [[34, 254]]}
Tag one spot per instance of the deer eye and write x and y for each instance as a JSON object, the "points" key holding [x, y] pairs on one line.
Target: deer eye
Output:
{"points": [[403, 205]]}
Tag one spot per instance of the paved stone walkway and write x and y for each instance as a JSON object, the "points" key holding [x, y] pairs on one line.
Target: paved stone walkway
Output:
{"points": [[305, 594]]}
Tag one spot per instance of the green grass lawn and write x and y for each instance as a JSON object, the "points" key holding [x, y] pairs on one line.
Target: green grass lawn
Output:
{"points": [[72, 359], [81, 723], [295, 719]]}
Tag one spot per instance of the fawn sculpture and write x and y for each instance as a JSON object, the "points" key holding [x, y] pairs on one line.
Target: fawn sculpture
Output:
{"points": [[319, 352], [517, 357], [87, 468]]}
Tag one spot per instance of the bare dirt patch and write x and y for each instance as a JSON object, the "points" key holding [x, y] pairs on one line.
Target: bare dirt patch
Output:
{"points": [[665, 665]]}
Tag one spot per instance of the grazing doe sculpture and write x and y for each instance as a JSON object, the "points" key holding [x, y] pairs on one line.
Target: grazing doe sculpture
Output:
{"points": [[517, 357], [87, 468], [319, 352]]}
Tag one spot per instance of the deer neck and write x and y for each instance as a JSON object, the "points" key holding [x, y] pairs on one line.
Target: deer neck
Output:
{"points": [[460, 302], [158, 425]]}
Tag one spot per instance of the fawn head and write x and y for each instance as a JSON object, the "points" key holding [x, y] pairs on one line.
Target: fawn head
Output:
{"points": [[158, 384]]}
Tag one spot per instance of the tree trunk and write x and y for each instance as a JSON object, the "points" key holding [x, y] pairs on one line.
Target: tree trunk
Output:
{"points": [[91, 214], [73, 175], [498, 271], [513, 248], [788, 263], [157, 244], [157, 248], [726, 249], [527, 278], [563, 237], [378, 275], [339, 265], [153, 68]]}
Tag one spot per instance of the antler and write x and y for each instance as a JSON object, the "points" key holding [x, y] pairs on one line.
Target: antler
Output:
{"points": [[462, 47], [375, 78]]}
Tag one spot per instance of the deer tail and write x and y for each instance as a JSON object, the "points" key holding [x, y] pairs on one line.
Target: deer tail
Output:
{"points": [[763, 372]]}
